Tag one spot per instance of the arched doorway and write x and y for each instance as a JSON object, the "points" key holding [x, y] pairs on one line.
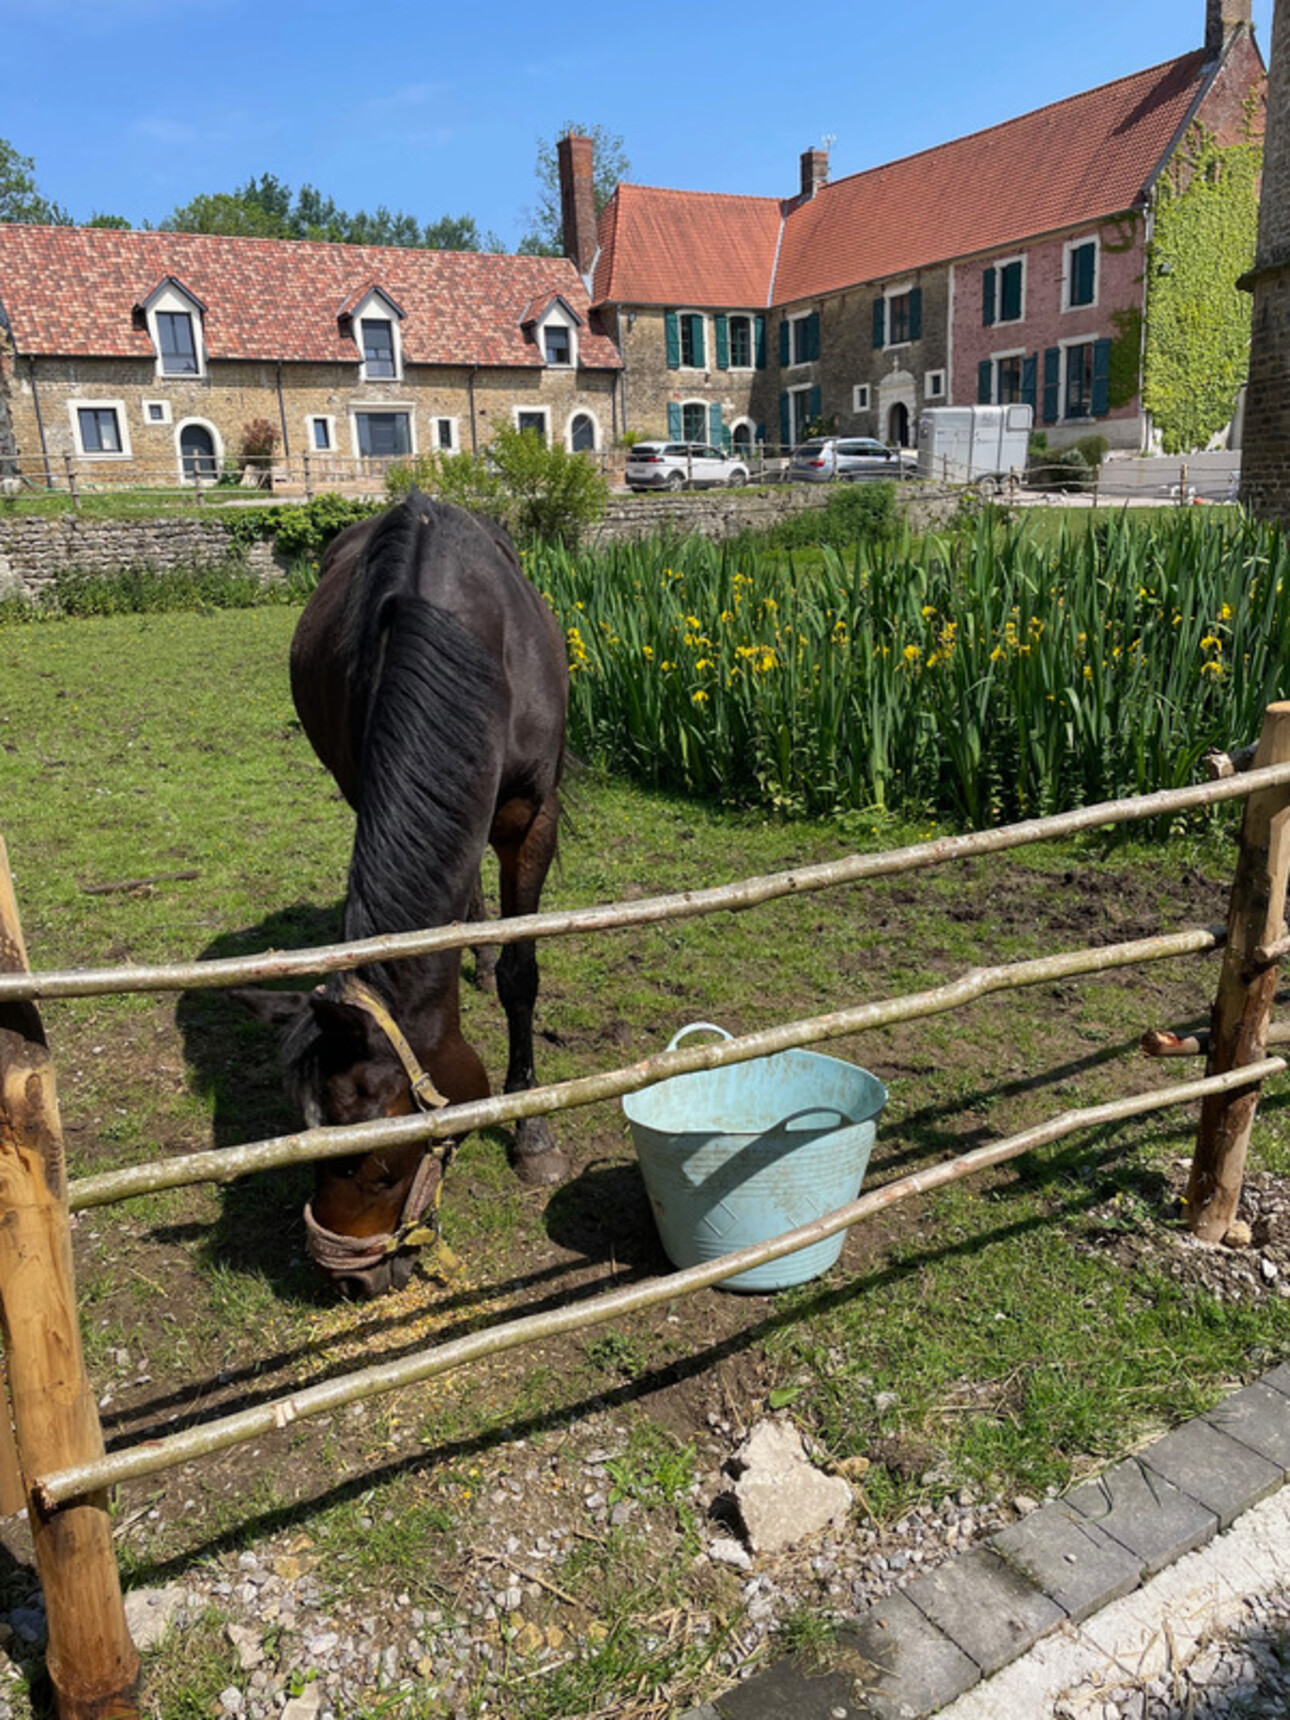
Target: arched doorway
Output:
{"points": [[582, 434], [898, 425], [197, 453], [741, 438]]}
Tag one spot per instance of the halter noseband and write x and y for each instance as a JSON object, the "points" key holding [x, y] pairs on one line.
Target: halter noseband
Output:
{"points": [[337, 1253]]}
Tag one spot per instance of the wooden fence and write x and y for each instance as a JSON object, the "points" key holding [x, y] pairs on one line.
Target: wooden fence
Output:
{"points": [[52, 1455]]}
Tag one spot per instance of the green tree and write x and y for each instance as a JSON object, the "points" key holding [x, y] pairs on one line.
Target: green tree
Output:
{"points": [[118, 221], [20, 197], [265, 208], [545, 235]]}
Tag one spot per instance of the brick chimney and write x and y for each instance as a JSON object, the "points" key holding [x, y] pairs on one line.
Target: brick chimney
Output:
{"points": [[815, 169], [1221, 18], [578, 200]]}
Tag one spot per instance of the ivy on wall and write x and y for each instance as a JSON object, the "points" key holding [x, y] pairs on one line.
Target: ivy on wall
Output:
{"points": [[1198, 322]]}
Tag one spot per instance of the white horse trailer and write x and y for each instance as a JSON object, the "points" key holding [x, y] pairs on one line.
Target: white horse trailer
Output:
{"points": [[978, 445]]}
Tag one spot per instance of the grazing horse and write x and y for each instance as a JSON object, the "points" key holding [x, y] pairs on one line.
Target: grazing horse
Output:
{"points": [[431, 679]]}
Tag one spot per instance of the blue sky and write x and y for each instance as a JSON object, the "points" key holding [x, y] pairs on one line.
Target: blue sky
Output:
{"points": [[134, 106]]}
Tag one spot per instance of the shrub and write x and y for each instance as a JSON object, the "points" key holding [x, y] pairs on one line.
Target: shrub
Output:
{"points": [[854, 513], [303, 531], [537, 491], [1060, 469]]}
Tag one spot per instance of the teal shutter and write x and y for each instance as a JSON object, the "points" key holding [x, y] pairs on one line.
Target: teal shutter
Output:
{"points": [[813, 403], [1082, 261], [785, 422], [696, 332], [672, 336], [880, 322], [1101, 378], [783, 341], [916, 313], [1029, 379], [674, 424], [987, 298], [759, 342], [721, 340], [813, 336], [1052, 376], [984, 381], [714, 423], [1010, 293]]}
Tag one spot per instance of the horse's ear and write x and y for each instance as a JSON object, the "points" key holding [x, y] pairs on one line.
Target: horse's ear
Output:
{"points": [[333, 1013], [274, 1008]]}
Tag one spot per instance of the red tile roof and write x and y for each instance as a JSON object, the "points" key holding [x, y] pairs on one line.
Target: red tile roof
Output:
{"points": [[1078, 160], [695, 248], [69, 291]]}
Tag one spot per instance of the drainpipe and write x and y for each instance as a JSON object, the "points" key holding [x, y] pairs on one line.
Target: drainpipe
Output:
{"points": [[470, 391], [40, 421], [282, 414]]}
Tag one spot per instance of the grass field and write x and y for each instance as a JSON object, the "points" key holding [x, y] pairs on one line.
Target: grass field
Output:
{"points": [[1008, 1335]]}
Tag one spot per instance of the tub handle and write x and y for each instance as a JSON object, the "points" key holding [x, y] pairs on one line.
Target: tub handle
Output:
{"points": [[820, 1118], [696, 1027]]}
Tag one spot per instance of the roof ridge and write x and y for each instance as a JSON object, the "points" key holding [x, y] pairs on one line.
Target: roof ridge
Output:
{"points": [[723, 196]]}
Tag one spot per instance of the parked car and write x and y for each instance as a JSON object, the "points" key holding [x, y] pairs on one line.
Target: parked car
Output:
{"points": [[825, 458], [682, 466]]}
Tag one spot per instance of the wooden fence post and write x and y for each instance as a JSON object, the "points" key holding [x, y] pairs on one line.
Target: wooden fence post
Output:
{"points": [[1246, 988], [92, 1663]]}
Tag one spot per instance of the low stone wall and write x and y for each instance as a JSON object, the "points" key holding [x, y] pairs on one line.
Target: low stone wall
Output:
{"points": [[34, 551]]}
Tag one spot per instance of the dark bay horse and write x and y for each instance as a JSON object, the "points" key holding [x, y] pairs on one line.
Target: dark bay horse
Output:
{"points": [[431, 679]]}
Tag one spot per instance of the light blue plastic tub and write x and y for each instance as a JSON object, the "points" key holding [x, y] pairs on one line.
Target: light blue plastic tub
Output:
{"points": [[737, 1155]]}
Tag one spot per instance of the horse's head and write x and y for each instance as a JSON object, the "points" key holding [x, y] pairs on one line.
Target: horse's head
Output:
{"points": [[347, 1062]]}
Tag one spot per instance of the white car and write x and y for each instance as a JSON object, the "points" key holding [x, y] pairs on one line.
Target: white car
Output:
{"points": [[683, 466]]}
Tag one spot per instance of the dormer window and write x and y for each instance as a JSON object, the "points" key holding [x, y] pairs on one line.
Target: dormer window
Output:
{"points": [[551, 324], [173, 318], [371, 319], [177, 344], [559, 343], [378, 348]]}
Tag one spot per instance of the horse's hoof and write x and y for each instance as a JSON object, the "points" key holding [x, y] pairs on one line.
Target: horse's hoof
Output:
{"points": [[538, 1161]]}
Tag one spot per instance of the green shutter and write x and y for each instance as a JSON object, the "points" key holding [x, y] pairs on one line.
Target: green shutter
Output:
{"points": [[721, 340], [1082, 261], [984, 381], [696, 332], [759, 342], [714, 423], [1101, 378], [672, 335], [916, 313], [1010, 293], [987, 298], [1052, 375], [880, 322], [1029, 379], [785, 422], [813, 336], [674, 421], [783, 341], [813, 403]]}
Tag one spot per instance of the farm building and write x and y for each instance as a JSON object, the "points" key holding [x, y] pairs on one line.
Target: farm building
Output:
{"points": [[153, 353], [1026, 262]]}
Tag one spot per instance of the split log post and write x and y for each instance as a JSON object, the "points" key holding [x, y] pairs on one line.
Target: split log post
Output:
{"points": [[92, 1662], [1247, 986]]}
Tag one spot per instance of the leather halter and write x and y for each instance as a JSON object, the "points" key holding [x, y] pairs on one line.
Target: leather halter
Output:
{"points": [[337, 1253]]}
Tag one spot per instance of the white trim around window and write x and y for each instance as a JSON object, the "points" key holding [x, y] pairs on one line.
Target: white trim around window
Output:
{"points": [[101, 428], [382, 408], [156, 412], [172, 301], [582, 412], [376, 307], [898, 290], [860, 397], [743, 424], [316, 423], [999, 265], [542, 413], [1068, 271], [445, 434], [996, 359], [750, 323], [217, 449], [934, 386]]}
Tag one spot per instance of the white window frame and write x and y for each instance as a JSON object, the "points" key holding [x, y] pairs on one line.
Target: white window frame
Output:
{"points": [[545, 412], [374, 306], [1064, 347], [940, 379], [745, 317], [999, 265], [312, 418], [680, 342], [899, 290], [582, 412], [74, 409], [406, 407], [161, 409], [996, 358], [860, 397], [793, 324], [794, 430], [707, 421], [1068, 271], [171, 297], [216, 438], [557, 316], [454, 434]]}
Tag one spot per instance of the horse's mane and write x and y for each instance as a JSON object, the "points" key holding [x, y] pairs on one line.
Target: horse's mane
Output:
{"points": [[427, 703]]}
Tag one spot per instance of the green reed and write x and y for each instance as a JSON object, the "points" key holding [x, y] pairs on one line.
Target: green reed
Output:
{"points": [[982, 675]]}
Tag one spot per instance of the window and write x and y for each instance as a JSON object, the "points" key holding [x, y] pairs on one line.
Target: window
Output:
{"points": [[99, 428], [1079, 274], [582, 433], [898, 316], [1003, 292], [533, 419], [176, 343], [321, 439], [800, 413], [860, 397], [378, 347], [898, 319], [692, 345], [805, 336], [1079, 381], [156, 411], [694, 421], [445, 435], [1008, 380], [741, 438], [383, 435], [559, 346], [741, 343], [934, 385]]}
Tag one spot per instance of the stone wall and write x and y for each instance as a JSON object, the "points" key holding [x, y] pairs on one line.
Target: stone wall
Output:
{"points": [[33, 552]]}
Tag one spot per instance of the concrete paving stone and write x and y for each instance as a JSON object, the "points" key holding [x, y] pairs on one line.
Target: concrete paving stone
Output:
{"points": [[908, 1667], [985, 1606], [784, 1692], [1259, 1417], [1279, 1379], [1218, 1471], [1073, 1561], [1155, 1520]]}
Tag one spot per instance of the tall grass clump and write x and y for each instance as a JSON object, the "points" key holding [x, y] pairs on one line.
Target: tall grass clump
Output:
{"points": [[983, 675]]}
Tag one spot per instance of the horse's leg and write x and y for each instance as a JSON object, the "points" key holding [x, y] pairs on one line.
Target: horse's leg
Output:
{"points": [[525, 848], [485, 954]]}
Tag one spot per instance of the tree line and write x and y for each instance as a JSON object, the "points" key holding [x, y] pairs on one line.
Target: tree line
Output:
{"points": [[267, 208]]}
